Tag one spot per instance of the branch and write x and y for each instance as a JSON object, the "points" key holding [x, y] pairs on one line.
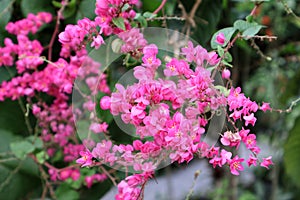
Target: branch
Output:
{"points": [[56, 29], [108, 175], [10, 176], [160, 6]]}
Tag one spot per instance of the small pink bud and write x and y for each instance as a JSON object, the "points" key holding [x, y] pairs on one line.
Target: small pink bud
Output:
{"points": [[220, 39], [75, 175], [226, 74], [89, 181], [105, 103], [65, 174]]}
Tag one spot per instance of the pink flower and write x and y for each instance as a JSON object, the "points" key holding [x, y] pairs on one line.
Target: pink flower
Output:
{"points": [[265, 107], [133, 40], [266, 162], [97, 41], [226, 74], [75, 174], [215, 161], [89, 181], [64, 174], [231, 139], [171, 67], [220, 39], [105, 102], [149, 58], [86, 159], [213, 58], [250, 119], [250, 141], [225, 156], [236, 166], [99, 128], [252, 161]]}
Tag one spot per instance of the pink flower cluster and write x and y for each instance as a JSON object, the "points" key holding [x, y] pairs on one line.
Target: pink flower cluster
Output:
{"points": [[107, 10], [55, 123], [76, 37], [133, 41], [131, 187], [173, 114], [64, 174], [31, 24], [89, 180]]}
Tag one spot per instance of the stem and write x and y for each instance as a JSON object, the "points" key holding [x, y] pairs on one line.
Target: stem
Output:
{"points": [[160, 6], [189, 195], [48, 185], [24, 110], [194, 9], [10, 176], [27, 122], [230, 44], [7, 159], [56, 29], [255, 8], [109, 176]]}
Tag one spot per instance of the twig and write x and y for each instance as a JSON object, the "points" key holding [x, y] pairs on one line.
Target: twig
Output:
{"points": [[56, 29], [256, 47], [289, 10], [48, 184], [160, 6], [7, 159], [7, 180], [7, 8], [27, 122], [294, 103], [108, 174], [193, 11], [262, 37], [167, 18], [196, 175], [257, 4]]}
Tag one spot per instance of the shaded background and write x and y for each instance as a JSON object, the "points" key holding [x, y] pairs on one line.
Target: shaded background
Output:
{"points": [[274, 80]]}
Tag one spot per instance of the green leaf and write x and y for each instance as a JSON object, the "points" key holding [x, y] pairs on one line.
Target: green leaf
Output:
{"points": [[228, 57], [220, 51], [65, 192], [70, 9], [248, 29], [36, 142], [119, 22], [75, 184], [143, 22], [223, 90], [15, 187], [242, 25], [6, 7], [42, 156], [149, 15], [252, 31], [226, 63], [12, 118], [116, 45], [56, 4], [228, 32], [21, 148], [7, 73], [86, 9], [35, 6], [291, 153]]}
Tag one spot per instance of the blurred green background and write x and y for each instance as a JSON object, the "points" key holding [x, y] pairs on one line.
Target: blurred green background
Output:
{"points": [[274, 80]]}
